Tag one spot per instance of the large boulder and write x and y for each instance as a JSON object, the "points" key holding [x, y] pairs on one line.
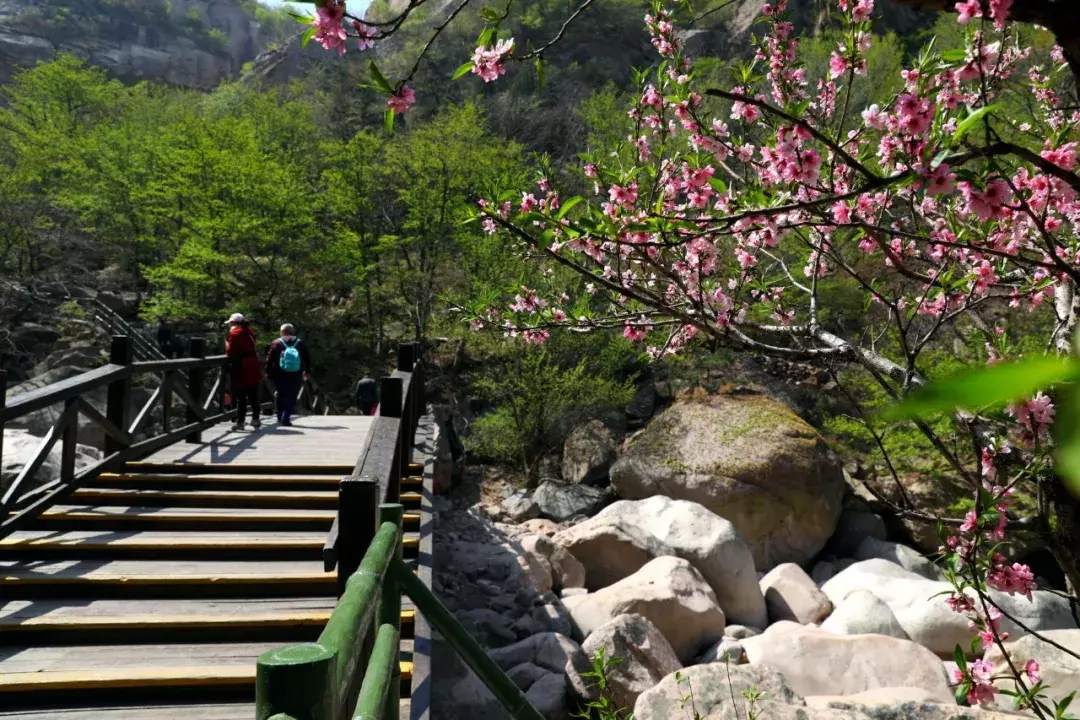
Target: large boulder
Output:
{"points": [[907, 558], [921, 610], [863, 613], [519, 507], [566, 571], [790, 594], [669, 593], [537, 665], [809, 658], [589, 453], [641, 407], [626, 535], [562, 501], [857, 522], [20, 447], [747, 458], [717, 690], [1060, 670], [641, 657]]}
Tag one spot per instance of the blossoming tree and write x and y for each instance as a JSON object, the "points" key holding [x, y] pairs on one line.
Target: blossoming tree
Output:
{"points": [[728, 208]]}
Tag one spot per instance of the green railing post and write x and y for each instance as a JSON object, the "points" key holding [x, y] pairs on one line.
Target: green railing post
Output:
{"points": [[295, 681], [390, 607], [501, 686], [380, 694]]}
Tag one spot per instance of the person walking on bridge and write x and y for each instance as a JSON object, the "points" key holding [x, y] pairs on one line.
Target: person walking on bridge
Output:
{"points": [[288, 364], [245, 371]]}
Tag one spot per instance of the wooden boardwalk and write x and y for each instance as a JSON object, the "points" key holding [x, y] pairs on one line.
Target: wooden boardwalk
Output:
{"points": [[149, 593]]}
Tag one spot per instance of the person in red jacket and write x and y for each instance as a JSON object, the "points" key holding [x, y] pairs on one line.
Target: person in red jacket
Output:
{"points": [[245, 369]]}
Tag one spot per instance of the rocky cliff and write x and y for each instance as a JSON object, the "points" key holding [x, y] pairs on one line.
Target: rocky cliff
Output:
{"points": [[192, 43]]}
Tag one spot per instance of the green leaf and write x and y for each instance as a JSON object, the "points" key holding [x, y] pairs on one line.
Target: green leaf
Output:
{"points": [[1066, 432], [1063, 704], [958, 657], [298, 17], [568, 206], [539, 65], [388, 120], [307, 36], [990, 386], [962, 691], [486, 37], [463, 70], [489, 14], [969, 122], [380, 81], [954, 55]]}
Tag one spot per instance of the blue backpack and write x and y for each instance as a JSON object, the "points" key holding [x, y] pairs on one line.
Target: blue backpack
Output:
{"points": [[290, 356]]}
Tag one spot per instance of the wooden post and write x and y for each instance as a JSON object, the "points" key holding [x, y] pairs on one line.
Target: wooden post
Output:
{"points": [[390, 390], [390, 405], [70, 440], [3, 404], [406, 356], [389, 612], [166, 401], [296, 681], [357, 504], [196, 380], [119, 393]]}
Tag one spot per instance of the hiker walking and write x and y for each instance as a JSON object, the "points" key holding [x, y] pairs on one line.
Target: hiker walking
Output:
{"points": [[245, 372], [366, 396], [288, 364], [165, 339]]}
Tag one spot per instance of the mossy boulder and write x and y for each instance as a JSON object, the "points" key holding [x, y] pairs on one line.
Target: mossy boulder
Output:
{"points": [[750, 460]]}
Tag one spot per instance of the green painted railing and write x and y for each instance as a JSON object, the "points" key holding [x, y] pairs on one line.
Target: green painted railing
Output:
{"points": [[317, 681]]}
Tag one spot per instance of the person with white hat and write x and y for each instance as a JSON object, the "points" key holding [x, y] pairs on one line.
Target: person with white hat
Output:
{"points": [[245, 370]]}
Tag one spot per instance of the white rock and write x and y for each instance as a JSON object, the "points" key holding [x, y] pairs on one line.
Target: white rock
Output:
{"points": [[790, 594], [921, 610], [645, 657], [727, 650], [811, 659], [714, 685], [1060, 670], [862, 613], [566, 571], [588, 453], [626, 535], [741, 631], [907, 558], [668, 592]]}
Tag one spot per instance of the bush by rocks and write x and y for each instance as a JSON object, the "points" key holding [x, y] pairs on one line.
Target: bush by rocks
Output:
{"points": [[748, 458], [626, 535]]}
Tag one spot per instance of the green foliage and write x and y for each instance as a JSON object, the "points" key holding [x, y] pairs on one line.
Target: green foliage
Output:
{"points": [[604, 707], [536, 398]]}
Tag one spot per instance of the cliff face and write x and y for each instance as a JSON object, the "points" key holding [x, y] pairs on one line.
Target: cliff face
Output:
{"points": [[192, 43]]}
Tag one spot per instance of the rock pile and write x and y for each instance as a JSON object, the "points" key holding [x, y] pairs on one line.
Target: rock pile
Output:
{"points": [[732, 570]]}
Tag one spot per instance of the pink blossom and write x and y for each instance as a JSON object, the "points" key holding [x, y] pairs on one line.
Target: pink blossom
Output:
{"points": [[1013, 579], [873, 117], [488, 61], [623, 195], [528, 202], [330, 33], [971, 521], [536, 337], [633, 334], [942, 181], [1032, 671], [999, 11], [402, 100], [366, 34], [838, 65], [489, 226], [590, 170], [968, 10]]}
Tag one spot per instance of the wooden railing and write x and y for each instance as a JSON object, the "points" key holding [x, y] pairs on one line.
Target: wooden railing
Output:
{"points": [[199, 382], [125, 438], [352, 671]]}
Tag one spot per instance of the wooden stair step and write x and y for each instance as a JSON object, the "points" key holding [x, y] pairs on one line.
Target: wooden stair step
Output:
{"points": [[214, 481], [337, 470], [293, 499], [189, 620], [152, 543], [199, 676], [120, 517], [154, 711]]}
